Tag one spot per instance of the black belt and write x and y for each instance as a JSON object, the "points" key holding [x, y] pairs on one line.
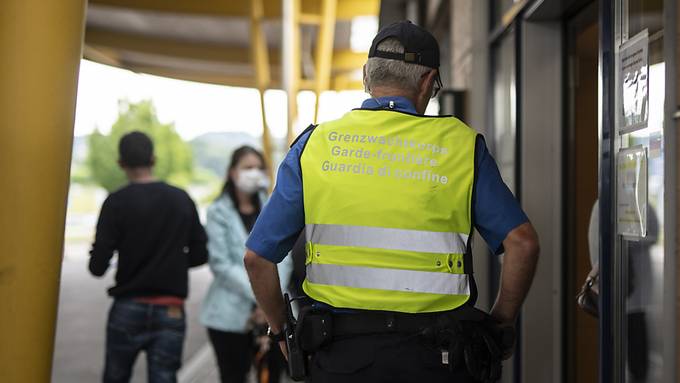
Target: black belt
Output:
{"points": [[377, 322], [364, 323]]}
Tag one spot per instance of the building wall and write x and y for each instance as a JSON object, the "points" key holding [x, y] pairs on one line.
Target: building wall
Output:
{"points": [[468, 37], [468, 32], [541, 179], [463, 40], [540, 135]]}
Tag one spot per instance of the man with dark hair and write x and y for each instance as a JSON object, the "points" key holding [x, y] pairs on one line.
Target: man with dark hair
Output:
{"points": [[155, 229]]}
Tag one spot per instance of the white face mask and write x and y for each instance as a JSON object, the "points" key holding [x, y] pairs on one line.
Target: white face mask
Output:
{"points": [[252, 180]]}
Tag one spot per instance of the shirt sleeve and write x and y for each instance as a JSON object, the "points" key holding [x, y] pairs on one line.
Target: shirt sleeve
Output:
{"points": [[496, 211], [105, 241], [283, 217]]}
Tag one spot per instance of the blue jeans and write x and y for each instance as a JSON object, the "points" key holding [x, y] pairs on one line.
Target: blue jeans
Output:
{"points": [[133, 327]]}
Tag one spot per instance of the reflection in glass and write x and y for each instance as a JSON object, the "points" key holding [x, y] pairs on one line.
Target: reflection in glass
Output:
{"points": [[498, 9], [504, 116], [643, 291], [644, 14]]}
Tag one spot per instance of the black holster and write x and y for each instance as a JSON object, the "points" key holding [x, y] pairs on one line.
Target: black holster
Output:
{"points": [[474, 341], [297, 357], [314, 328]]}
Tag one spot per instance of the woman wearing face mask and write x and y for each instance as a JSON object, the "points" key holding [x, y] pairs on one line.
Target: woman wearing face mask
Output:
{"points": [[229, 307]]}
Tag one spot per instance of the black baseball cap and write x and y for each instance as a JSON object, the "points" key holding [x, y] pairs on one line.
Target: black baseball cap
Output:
{"points": [[420, 47]]}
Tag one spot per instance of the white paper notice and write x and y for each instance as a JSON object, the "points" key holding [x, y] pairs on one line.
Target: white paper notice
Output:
{"points": [[631, 213], [634, 87]]}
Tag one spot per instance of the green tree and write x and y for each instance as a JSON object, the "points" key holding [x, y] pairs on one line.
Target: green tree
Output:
{"points": [[174, 161]]}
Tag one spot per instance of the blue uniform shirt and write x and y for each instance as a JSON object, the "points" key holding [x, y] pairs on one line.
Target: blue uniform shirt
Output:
{"points": [[495, 210]]}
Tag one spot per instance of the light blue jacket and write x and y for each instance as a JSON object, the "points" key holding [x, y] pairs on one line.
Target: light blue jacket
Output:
{"points": [[230, 299]]}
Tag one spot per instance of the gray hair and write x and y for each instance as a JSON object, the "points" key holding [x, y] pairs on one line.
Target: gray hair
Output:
{"points": [[393, 73]]}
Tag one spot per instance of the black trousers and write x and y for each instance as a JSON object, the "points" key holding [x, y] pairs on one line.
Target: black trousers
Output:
{"points": [[638, 347], [235, 353], [393, 358]]}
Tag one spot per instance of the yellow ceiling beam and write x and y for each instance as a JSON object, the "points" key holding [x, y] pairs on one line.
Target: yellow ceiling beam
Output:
{"points": [[345, 82], [347, 60], [258, 45], [338, 83], [347, 9], [213, 8], [165, 47], [198, 76], [103, 56], [260, 59], [291, 52], [324, 51], [108, 43], [310, 19]]}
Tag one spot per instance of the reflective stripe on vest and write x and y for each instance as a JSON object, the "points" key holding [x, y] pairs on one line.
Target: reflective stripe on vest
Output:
{"points": [[389, 279], [387, 238]]}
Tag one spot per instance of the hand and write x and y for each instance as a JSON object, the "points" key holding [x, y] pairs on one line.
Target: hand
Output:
{"points": [[503, 327], [506, 336], [258, 317], [263, 343], [284, 349], [502, 317]]}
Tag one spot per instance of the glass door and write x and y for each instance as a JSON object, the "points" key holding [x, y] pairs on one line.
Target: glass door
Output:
{"points": [[640, 180]]}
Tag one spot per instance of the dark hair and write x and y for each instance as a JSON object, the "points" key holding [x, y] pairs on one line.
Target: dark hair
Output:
{"points": [[229, 187], [135, 150]]}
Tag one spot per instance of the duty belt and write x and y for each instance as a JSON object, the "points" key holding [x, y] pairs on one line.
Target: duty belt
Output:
{"points": [[468, 336], [375, 323]]}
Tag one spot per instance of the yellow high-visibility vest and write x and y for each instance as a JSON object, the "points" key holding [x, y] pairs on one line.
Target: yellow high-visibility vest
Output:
{"points": [[388, 211]]}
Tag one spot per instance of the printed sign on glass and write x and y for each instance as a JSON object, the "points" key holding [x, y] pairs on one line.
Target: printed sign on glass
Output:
{"points": [[634, 83]]}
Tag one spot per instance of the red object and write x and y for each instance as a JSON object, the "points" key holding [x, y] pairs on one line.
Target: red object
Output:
{"points": [[164, 300]]}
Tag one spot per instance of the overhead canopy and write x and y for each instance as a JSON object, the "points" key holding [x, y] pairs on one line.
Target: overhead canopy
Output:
{"points": [[212, 41]]}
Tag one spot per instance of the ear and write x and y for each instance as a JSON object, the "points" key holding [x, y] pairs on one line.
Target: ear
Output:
{"points": [[425, 91], [121, 164], [426, 84], [153, 161], [364, 80]]}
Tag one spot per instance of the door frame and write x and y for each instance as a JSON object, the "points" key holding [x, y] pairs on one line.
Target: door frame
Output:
{"points": [[607, 137], [671, 174]]}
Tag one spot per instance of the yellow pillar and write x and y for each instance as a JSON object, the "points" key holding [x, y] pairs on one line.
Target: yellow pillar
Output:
{"points": [[40, 50]]}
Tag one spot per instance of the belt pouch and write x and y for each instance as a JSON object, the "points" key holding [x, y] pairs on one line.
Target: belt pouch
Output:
{"points": [[316, 329]]}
